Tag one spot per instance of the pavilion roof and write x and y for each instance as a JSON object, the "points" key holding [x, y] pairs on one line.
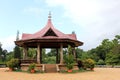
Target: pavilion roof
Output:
{"points": [[48, 33], [48, 28]]}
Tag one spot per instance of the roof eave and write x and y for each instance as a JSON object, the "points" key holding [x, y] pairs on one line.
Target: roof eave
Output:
{"points": [[76, 42]]}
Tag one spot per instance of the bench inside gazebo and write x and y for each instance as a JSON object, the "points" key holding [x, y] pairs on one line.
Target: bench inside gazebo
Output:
{"points": [[48, 37]]}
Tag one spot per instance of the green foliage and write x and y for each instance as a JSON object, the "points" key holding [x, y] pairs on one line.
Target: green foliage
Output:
{"points": [[31, 66], [52, 52], [100, 62], [49, 60], [44, 56], [17, 52], [13, 63], [50, 57], [9, 56], [103, 49], [1, 49], [89, 63], [80, 64], [82, 55], [113, 59], [85, 55], [69, 58], [79, 52], [3, 54], [10, 64], [69, 61], [93, 55], [32, 53], [69, 49], [1, 62], [108, 52], [86, 64]]}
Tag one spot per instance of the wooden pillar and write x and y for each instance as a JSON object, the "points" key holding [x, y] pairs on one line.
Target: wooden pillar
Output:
{"points": [[25, 51], [61, 53], [41, 55], [38, 54], [74, 53], [57, 54]]}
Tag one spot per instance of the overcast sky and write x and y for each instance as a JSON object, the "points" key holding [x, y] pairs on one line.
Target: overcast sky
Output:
{"points": [[92, 20]]}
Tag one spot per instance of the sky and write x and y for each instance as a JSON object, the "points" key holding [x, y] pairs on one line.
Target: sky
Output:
{"points": [[91, 20]]}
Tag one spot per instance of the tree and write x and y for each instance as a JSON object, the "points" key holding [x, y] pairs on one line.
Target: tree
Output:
{"points": [[101, 62], [0, 50], [93, 54], [118, 38], [79, 52], [17, 52], [69, 59], [50, 57], [103, 49], [32, 53], [9, 55], [106, 51], [113, 57], [44, 56], [4, 52], [52, 52], [70, 50], [82, 55]]}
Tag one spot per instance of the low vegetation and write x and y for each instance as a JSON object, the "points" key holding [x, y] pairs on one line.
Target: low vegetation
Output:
{"points": [[31, 67], [13, 64]]}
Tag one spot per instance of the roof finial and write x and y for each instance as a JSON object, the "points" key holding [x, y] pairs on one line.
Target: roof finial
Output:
{"points": [[49, 15]]}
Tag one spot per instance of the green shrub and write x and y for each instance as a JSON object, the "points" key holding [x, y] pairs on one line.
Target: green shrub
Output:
{"points": [[89, 63], [10, 64], [49, 60], [13, 63], [69, 61], [80, 64], [31, 66], [100, 62]]}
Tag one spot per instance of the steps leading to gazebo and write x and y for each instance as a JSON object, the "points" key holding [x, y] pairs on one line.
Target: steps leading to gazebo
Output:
{"points": [[49, 68]]}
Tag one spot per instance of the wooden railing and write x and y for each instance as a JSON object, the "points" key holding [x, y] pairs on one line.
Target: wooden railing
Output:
{"points": [[28, 61]]}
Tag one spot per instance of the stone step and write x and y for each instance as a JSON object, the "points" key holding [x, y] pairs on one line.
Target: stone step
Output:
{"points": [[50, 68]]}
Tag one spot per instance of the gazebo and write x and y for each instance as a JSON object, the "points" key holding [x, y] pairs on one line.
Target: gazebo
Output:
{"points": [[48, 37]]}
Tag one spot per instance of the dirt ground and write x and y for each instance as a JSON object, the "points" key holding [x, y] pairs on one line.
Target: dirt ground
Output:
{"points": [[97, 74]]}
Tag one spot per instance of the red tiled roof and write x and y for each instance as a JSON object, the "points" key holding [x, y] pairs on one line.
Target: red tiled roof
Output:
{"points": [[24, 35], [40, 34]]}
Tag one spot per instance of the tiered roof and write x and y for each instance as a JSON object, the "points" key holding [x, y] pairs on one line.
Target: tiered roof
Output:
{"points": [[49, 31], [50, 34]]}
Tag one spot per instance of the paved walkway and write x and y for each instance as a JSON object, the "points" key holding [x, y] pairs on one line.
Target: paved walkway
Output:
{"points": [[98, 74]]}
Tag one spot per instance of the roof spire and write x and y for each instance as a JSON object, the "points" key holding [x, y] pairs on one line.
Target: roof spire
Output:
{"points": [[49, 15]]}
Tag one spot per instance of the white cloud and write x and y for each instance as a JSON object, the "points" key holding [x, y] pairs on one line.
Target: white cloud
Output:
{"points": [[8, 42], [99, 19]]}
